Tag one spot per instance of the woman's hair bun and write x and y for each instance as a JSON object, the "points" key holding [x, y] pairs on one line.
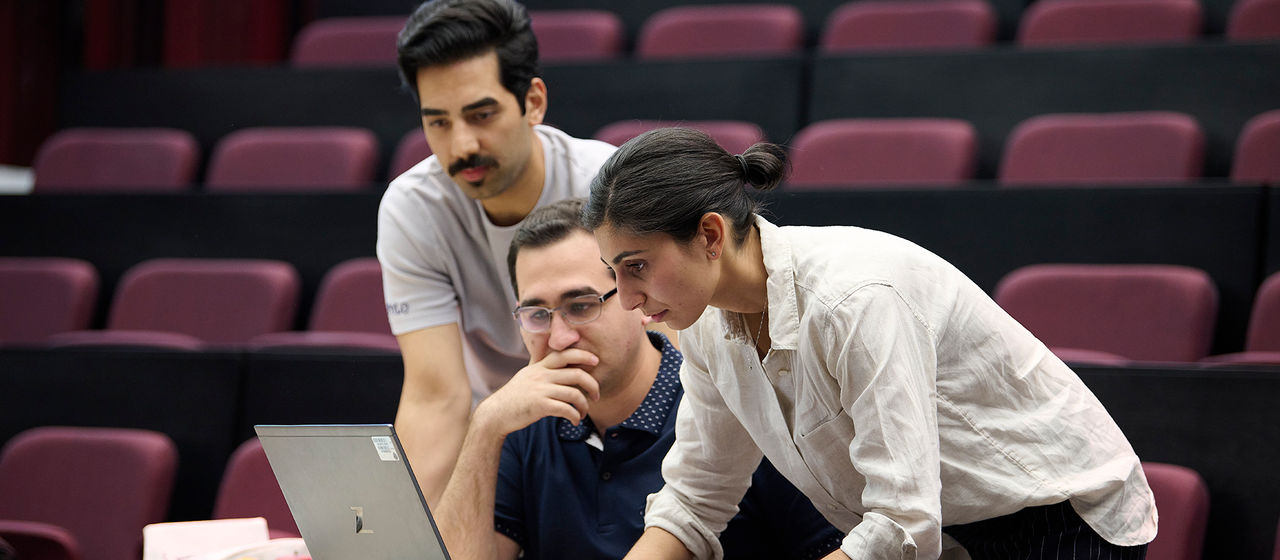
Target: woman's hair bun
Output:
{"points": [[765, 165]]}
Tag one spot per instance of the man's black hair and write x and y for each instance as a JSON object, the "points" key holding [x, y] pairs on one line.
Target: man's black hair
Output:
{"points": [[542, 227], [446, 31]]}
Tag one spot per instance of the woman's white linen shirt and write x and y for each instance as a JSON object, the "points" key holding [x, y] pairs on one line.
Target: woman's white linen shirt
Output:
{"points": [[898, 397]]}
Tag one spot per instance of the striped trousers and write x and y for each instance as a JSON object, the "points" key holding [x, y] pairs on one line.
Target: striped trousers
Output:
{"points": [[1046, 532]]}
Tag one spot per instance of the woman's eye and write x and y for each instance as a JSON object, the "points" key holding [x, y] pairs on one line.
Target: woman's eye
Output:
{"points": [[635, 268]]}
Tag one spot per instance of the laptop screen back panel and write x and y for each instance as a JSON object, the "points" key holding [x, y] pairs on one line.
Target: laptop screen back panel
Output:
{"points": [[351, 492]]}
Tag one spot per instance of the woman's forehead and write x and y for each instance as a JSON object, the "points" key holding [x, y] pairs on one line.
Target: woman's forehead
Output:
{"points": [[617, 244]]}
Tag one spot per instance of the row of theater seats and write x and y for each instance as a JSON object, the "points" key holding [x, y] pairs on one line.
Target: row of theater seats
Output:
{"points": [[192, 304], [166, 160], [75, 493], [1100, 314], [776, 29], [93, 489], [1085, 149], [1110, 148]]}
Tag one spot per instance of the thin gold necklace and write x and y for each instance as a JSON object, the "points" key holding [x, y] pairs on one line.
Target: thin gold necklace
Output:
{"points": [[764, 318]]}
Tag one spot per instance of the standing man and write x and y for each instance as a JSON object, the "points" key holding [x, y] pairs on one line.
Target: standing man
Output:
{"points": [[572, 445], [444, 226]]}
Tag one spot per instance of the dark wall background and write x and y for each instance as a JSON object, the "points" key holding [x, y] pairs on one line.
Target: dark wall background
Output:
{"points": [[32, 45]]}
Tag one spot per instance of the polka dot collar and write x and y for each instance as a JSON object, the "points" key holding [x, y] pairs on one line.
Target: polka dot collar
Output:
{"points": [[652, 413]]}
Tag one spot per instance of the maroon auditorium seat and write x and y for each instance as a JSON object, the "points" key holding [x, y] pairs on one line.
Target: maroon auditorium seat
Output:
{"points": [[37, 541], [116, 159], [576, 35], [908, 25], [349, 312], [734, 136], [1160, 313], [354, 41], [100, 484], [1104, 148], [410, 151], [43, 296], [1276, 554], [1262, 343], [249, 489], [1264, 320], [1251, 20], [1182, 500], [120, 338], [294, 159], [1095, 22], [221, 302], [721, 30], [350, 299], [883, 152], [1091, 357], [1257, 156]]}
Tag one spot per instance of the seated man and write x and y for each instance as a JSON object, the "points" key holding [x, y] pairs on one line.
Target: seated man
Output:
{"points": [[558, 462]]}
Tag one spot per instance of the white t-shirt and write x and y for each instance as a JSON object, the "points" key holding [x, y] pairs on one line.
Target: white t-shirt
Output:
{"points": [[444, 262]]}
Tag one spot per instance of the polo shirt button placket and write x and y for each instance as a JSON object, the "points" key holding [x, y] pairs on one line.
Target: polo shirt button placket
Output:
{"points": [[606, 475]]}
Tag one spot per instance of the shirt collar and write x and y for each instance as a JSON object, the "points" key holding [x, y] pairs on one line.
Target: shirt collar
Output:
{"points": [[780, 287], [652, 413]]}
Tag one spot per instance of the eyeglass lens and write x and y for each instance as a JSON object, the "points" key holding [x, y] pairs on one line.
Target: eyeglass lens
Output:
{"points": [[578, 310]]}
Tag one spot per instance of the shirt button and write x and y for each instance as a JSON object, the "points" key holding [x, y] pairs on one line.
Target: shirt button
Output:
{"points": [[606, 475], [784, 372]]}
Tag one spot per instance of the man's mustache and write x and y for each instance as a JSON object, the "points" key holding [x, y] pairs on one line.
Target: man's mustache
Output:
{"points": [[475, 160]]}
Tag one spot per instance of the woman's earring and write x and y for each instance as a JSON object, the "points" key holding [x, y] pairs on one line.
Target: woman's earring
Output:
{"points": [[713, 254]]}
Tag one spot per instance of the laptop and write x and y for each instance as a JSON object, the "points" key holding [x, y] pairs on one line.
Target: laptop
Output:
{"points": [[351, 492]]}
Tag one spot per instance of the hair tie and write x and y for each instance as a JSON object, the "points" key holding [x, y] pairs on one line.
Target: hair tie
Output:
{"points": [[742, 162]]}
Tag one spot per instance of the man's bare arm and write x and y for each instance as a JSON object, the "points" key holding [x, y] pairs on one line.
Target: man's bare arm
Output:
{"points": [[657, 544], [465, 513], [435, 403], [553, 386]]}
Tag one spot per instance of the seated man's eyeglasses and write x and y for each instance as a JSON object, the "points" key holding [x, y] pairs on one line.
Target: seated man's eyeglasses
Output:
{"points": [[575, 311]]}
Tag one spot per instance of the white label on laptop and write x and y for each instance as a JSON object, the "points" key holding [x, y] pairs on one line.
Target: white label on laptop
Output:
{"points": [[386, 449]]}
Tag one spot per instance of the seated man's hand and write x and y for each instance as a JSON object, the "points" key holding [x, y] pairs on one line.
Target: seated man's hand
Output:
{"points": [[556, 385]]}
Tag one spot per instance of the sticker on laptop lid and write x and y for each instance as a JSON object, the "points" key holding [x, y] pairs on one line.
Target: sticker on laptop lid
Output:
{"points": [[386, 448]]}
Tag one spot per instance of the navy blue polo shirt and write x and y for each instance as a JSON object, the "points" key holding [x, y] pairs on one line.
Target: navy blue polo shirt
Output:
{"points": [[564, 494]]}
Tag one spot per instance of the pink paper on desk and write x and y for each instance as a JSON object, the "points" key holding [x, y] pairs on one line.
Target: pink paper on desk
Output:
{"points": [[188, 539]]}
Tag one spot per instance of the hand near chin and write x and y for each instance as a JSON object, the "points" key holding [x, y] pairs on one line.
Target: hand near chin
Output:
{"points": [[555, 385]]}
